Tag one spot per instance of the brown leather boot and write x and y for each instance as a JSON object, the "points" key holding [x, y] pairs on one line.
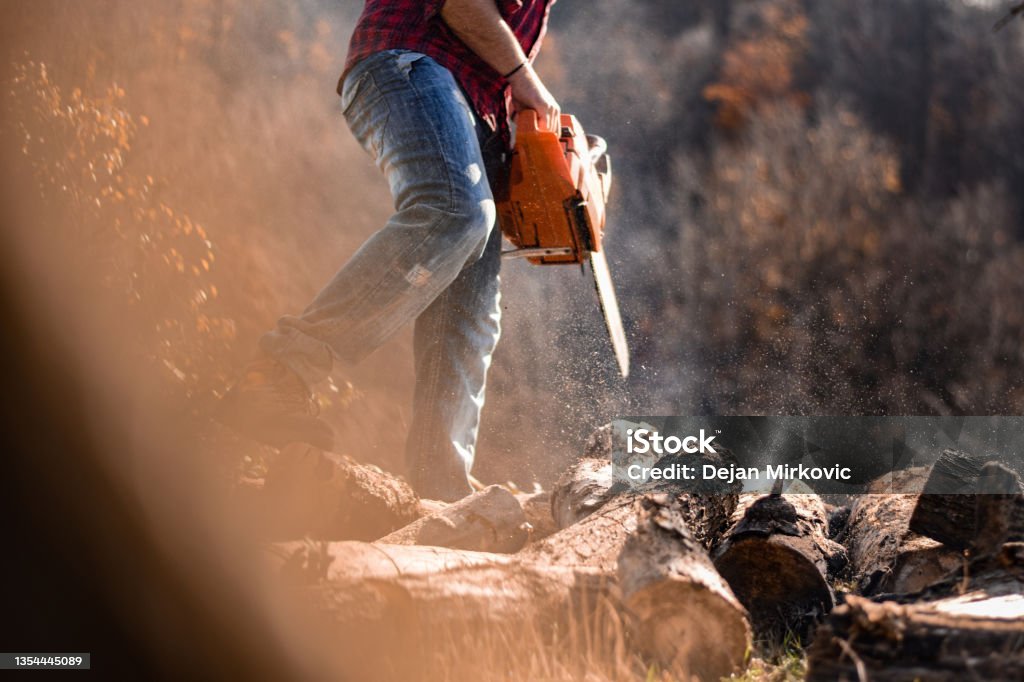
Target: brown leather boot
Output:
{"points": [[271, 404]]}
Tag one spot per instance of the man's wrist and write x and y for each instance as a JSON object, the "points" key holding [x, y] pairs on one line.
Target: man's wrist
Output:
{"points": [[516, 70], [521, 73]]}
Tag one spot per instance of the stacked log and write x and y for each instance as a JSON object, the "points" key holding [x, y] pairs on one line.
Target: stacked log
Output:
{"points": [[412, 595], [971, 628], [885, 555], [969, 624], [690, 575], [777, 558], [946, 509]]}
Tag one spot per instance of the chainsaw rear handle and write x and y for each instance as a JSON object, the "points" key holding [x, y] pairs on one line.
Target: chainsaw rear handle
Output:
{"points": [[599, 151], [598, 147]]}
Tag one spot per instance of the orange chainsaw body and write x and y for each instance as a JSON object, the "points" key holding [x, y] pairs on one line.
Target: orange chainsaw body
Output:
{"points": [[554, 212]]}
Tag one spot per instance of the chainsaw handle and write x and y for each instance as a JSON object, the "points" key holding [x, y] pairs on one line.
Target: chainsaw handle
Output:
{"points": [[528, 121], [597, 146], [599, 151], [606, 175]]}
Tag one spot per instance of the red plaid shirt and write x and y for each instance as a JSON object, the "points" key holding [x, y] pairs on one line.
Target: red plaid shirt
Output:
{"points": [[417, 26]]}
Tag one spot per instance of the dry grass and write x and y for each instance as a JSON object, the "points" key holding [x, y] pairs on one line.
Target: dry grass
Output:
{"points": [[593, 648]]}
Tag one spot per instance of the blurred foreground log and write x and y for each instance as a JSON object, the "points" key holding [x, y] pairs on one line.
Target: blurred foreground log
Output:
{"points": [[967, 628], [777, 558], [406, 605], [328, 496], [419, 599], [679, 609], [490, 520], [945, 510], [885, 555]]}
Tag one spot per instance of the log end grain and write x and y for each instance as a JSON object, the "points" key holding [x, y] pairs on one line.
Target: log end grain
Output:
{"points": [[780, 585], [680, 610], [690, 628], [777, 559]]}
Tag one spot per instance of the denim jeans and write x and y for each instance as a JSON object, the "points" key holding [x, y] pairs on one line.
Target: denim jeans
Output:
{"points": [[435, 261]]}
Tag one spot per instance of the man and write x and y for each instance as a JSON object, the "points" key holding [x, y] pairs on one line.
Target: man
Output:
{"points": [[426, 91]]}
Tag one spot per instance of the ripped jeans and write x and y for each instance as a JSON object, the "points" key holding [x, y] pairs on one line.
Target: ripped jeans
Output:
{"points": [[435, 261]]}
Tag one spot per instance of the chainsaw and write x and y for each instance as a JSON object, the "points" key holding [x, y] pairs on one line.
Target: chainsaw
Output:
{"points": [[554, 209]]}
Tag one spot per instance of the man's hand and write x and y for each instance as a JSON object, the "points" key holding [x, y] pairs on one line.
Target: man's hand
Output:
{"points": [[479, 25], [528, 92]]}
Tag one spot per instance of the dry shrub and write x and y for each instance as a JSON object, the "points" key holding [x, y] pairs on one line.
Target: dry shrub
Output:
{"points": [[154, 264], [819, 288], [761, 68]]}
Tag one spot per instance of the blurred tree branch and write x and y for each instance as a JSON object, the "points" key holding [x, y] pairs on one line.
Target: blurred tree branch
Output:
{"points": [[1014, 11]]}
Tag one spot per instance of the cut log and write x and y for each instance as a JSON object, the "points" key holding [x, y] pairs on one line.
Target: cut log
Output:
{"points": [[328, 496], [589, 484], [490, 520], [968, 628], [581, 490], [398, 607], [417, 599], [885, 555], [777, 558], [945, 511], [999, 514], [537, 508], [597, 540], [679, 609], [598, 537], [597, 543], [594, 542]]}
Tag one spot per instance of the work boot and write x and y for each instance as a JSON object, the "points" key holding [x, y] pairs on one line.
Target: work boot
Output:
{"points": [[271, 404]]}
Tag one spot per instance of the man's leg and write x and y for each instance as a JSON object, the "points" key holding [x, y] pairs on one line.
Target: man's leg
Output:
{"points": [[438, 255], [410, 114], [454, 340]]}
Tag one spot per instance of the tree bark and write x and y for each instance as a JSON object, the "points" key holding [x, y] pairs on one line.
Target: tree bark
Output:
{"points": [[945, 511], [597, 540], [885, 555], [594, 542], [969, 627], [328, 496], [679, 609], [490, 520], [777, 557]]}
